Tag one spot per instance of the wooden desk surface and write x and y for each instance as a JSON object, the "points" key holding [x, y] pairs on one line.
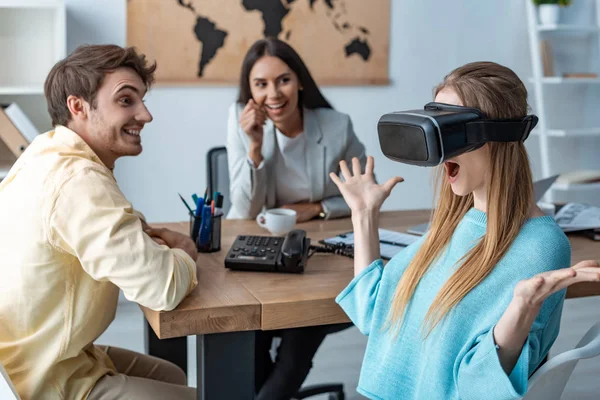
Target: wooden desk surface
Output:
{"points": [[229, 301]]}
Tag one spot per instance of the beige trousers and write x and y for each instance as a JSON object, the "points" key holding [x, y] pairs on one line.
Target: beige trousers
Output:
{"points": [[141, 377]]}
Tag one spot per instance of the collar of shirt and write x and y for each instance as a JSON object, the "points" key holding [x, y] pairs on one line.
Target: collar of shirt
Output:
{"points": [[72, 139]]}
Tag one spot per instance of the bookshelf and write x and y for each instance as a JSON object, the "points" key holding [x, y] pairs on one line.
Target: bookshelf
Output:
{"points": [[32, 40], [566, 128]]}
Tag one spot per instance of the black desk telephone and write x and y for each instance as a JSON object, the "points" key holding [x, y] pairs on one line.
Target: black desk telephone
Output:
{"points": [[269, 253]]}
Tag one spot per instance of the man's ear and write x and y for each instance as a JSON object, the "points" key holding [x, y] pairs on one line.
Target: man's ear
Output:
{"points": [[77, 107]]}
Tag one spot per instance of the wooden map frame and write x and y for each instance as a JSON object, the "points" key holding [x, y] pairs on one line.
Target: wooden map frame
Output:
{"points": [[343, 42]]}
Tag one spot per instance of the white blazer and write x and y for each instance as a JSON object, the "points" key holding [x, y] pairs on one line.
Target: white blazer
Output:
{"points": [[331, 139]]}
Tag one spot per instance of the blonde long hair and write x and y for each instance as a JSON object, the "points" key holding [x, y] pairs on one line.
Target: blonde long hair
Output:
{"points": [[499, 93]]}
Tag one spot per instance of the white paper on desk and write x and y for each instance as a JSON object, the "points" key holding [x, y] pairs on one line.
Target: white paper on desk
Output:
{"points": [[386, 250], [578, 217]]}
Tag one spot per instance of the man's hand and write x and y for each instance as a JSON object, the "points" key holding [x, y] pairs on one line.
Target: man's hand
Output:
{"points": [[157, 239], [174, 240], [305, 211]]}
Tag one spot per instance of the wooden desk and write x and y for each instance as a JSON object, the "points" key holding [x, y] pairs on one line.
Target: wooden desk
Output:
{"points": [[233, 301]]}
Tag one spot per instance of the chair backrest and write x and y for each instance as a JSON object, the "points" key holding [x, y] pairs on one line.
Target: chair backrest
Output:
{"points": [[7, 389], [549, 381], [217, 174]]}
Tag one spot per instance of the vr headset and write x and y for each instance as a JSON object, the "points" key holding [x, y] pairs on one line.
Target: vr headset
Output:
{"points": [[440, 131]]}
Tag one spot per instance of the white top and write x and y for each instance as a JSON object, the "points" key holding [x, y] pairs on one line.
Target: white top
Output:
{"points": [[292, 184]]}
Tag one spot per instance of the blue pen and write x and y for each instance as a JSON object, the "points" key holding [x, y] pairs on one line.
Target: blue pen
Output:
{"points": [[199, 205], [205, 226], [198, 213]]}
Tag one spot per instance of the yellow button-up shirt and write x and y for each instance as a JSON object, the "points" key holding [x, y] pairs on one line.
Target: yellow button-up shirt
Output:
{"points": [[69, 239]]}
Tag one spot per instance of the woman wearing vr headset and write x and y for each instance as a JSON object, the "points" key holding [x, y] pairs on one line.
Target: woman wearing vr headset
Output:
{"points": [[283, 140], [471, 309]]}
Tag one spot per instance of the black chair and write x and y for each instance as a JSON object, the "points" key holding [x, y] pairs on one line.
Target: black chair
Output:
{"points": [[217, 175], [335, 390], [217, 178]]}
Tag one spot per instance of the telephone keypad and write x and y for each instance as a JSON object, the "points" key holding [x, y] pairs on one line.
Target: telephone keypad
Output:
{"points": [[254, 253]]}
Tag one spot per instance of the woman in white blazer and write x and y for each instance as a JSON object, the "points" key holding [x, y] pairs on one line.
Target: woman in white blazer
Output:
{"points": [[283, 140]]}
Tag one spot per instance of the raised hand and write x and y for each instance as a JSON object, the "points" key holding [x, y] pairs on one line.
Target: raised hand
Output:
{"points": [[513, 327], [535, 290], [360, 191], [252, 120]]}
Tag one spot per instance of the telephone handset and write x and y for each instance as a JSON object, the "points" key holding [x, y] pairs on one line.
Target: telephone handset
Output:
{"points": [[294, 251], [269, 253]]}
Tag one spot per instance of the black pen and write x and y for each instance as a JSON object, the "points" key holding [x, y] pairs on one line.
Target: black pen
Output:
{"points": [[186, 204]]}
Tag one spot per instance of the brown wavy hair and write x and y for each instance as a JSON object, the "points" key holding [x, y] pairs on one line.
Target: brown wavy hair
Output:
{"points": [[81, 74]]}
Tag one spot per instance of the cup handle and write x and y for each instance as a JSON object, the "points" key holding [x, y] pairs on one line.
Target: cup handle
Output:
{"points": [[261, 220]]}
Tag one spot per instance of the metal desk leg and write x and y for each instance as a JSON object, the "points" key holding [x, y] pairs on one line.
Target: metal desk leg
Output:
{"points": [[174, 350], [225, 366]]}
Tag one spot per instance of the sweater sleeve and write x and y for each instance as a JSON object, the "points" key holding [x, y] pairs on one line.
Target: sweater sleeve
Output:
{"points": [[359, 297], [478, 372]]}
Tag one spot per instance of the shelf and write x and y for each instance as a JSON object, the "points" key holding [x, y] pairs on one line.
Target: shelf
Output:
{"points": [[554, 80], [25, 89], [31, 3], [589, 132], [32, 40], [569, 28], [576, 187]]}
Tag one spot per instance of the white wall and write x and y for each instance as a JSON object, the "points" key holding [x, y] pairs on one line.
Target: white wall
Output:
{"points": [[428, 38]]}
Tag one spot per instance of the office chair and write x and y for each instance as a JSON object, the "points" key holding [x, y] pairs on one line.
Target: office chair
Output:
{"points": [[335, 390], [217, 175], [549, 381], [217, 178]]}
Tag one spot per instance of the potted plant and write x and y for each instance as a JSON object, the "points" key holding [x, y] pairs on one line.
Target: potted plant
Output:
{"points": [[549, 10]]}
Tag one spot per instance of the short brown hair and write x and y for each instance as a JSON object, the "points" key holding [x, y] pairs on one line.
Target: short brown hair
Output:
{"points": [[82, 72]]}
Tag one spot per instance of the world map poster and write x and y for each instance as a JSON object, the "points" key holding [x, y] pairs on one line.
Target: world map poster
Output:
{"points": [[343, 42]]}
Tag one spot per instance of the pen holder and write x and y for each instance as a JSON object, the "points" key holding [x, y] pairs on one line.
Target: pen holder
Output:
{"points": [[214, 237]]}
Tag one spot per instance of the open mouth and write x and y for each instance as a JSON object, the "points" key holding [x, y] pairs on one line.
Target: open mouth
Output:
{"points": [[277, 106], [452, 169], [132, 132]]}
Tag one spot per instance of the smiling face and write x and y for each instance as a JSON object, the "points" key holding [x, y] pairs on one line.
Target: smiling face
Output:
{"points": [[112, 126], [272, 81], [466, 172]]}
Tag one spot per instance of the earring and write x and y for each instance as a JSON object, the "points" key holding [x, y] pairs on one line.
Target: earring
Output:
{"points": [[301, 88]]}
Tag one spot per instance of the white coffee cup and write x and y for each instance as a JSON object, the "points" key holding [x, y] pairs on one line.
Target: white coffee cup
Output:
{"points": [[278, 221]]}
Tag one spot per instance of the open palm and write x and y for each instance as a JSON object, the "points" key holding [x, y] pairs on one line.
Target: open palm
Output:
{"points": [[535, 290], [360, 191]]}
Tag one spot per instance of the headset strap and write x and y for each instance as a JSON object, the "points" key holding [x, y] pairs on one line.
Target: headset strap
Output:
{"points": [[508, 130]]}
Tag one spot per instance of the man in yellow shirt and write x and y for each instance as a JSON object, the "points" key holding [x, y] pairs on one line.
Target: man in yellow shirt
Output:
{"points": [[69, 239]]}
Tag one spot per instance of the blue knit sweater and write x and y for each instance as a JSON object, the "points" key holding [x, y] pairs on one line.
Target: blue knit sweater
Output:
{"points": [[458, 360]]}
